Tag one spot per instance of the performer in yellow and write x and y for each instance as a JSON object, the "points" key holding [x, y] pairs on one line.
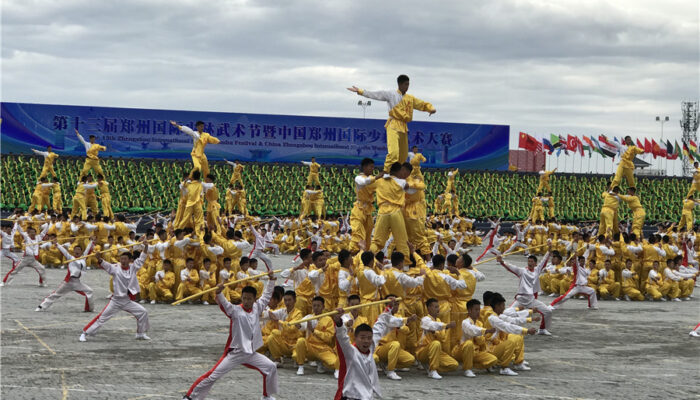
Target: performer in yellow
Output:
{"points": [[608, 213], [314, 167], [537, 213], [320, 338], [695, 186], [626, 168], [38, 200], [105, 196], [391, 199], [92, 150], [193, 209], [687, 215], [389, 351], [430, 348], [161, 289], [638, 213], [242, 200], [401, 106], [79, 199], [189, 281], [57, 198], [471, 350], [91, 198], [237, 171], [49, 158], [370, 279], [415, 212], [287, 340], [416, 158], [543, 186], [201, 140], [449, 187], [211, 193], [361, 221]]}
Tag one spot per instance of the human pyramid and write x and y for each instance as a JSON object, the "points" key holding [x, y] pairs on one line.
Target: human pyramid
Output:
{"points": [[398, 284]]}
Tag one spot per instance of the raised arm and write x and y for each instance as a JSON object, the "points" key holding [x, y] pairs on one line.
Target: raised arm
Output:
{"points": [[85, 144], [381, 95], [41, 153]]}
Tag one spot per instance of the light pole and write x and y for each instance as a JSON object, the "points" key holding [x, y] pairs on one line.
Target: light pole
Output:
{"points": [[365, 104], [662, 121]]}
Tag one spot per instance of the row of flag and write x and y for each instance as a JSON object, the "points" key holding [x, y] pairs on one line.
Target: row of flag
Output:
{"points": [[606, 147]]}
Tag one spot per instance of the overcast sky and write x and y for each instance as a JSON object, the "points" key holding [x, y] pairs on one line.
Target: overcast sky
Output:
{"points": [[563, 66]]}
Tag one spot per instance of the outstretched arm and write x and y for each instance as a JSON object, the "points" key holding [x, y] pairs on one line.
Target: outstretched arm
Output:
{"points": [[381, 95]]}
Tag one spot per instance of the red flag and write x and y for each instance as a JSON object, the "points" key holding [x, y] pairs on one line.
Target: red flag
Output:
{"points": [[571, 143], [528, 142], [647, 146], [639, 144], [580, 145]]}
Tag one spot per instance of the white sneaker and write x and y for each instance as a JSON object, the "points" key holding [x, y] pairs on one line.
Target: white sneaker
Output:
{"points": [[312, 364], [521, 367], [38, 309], [686, 299], [694, 334], [492, 369], [617, 299], [404, 370], [268, 398], [206, 303], [469, 374], [627, 298], [142, 301], [663, 299], [392, 375], [142, 336], [83, 337], [153, 302], [2, 284], [434, 375], [543, 332], [526, 363], [320, 369], [593, 308], [300, 370], [507, 371], [675, 299], [552, 295], [278, 364], [42, 285], [336, 374]]}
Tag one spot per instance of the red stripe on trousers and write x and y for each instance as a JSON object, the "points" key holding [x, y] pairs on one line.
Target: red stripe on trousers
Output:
{"points": [[96, 317], [261, 373], [341, 372]]}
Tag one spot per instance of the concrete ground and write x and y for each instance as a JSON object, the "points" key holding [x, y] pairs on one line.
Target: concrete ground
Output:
{"points": [[624, 350]]}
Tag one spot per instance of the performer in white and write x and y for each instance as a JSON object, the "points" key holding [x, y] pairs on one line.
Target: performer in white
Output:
{"points": [[71, 283], [580, 285], [31, 254]]}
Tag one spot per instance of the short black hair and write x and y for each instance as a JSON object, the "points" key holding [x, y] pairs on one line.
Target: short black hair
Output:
{"points": [[486, 297], [408, 166], [452, 259], [365, 162], [497, 299], [367, 257], [199, 123], [397, 258], [304, 253], [343, 255], [354, 297], [244, 260], [319, 298], [467, 259], [196, 175], [316, 255], [401, 79], [473, 302], [430, 301], [250, 289], [395, 168], [438, 259], [291, 293], [278, 292], [362, 328]]}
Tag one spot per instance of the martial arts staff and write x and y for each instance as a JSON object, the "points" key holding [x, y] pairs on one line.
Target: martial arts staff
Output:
{"points": [[244, 338]]}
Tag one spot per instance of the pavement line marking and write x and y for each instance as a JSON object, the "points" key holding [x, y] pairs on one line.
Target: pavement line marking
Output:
{"points": [[515, 382], [37, 337], [89, 391], [64, 388]]}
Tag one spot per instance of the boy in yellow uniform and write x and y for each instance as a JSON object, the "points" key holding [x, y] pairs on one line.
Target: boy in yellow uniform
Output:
{"points": [[287, 340], [162, 287], [543, 186], [471, 351], [49, 158], [638, 213], [213, 206], [626, 168], [687, 214], [189, 280], [200, 141], [608, 213], [607, 285], [38, 195], [415, 211], [79, 207], [507, 342], [401, 106], [92, 150], [370, 279], [386, 328], [105, 196], [237, 176], [320, 338], [361, 221], [430, 348], [630, 285], [314, 167], [391, 198], [193, 208], [57, 198], [416, 159]]}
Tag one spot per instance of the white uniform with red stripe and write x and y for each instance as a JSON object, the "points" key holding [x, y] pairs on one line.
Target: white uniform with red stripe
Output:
{"points": [[72, 281], [7, 241], [30, 257], [257, 252], [358, 377], [244, 339], [126, 287], [529, 285], [580, 285]]}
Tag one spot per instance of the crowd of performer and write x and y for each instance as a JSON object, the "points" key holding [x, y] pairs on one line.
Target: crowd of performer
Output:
{"points": [[419, 263]]}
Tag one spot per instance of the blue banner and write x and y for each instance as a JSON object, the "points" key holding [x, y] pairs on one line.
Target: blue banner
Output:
{"points": [[145, 133]]}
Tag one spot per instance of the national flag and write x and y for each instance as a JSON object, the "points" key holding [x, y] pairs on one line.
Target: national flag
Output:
{"points": [[677, 149], [657, 150], [647, 146], [554, 139], [571, 143], [547, 145], [591, 147], [639, 144], [670, 154], [529, 143], [606, 147], [686, 152], [596, 146]]}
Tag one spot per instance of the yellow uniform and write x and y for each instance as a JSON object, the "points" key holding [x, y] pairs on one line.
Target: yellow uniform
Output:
{"points": [[314, 168], [401, 112], [414, 214], [92, 161], [162, 288], [505, 347], [49, 158], [607, 285], [537, 213], [370, 281], [638, 213], [608, 214], [105, 198], [38, 196], [471, 351], [237, 177], [430, 348], [57, 198], [695, 186], [213, 207], [199, 159], [435, 286], [320, 344], [543, 186], [389, 349], [626, 167], [361, 222], [287, 340], [416, 160], [458, 304], [390, 200], [451, 176], [193, 208], [630, 287], [687, 215], [79, 201], [91, 200], [190, 286]]}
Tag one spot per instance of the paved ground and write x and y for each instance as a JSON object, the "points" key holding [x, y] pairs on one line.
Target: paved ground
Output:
{"points": [[624, 350]]}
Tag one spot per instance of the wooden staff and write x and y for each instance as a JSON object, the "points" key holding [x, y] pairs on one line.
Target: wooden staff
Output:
{"points": [[107, 251], [194, 296], [328, 314], [66, 238], [506, 254]]}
